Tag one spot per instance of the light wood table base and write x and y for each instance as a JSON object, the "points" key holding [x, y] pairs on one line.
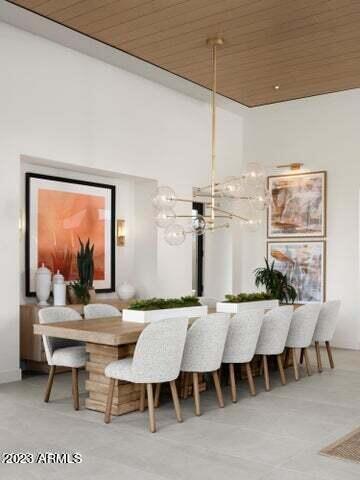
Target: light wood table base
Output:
{"points": [[126, 396]]}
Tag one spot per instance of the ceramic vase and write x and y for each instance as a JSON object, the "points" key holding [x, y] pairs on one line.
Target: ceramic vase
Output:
{"points": [[126, 291], [59, 289], [43, 284]]}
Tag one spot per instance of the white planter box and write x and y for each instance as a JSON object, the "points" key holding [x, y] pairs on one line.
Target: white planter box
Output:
{"points": [[244, 306], [147, 316]]}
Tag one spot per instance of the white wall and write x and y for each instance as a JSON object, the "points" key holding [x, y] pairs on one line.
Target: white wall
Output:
{"points": [[323, 133], [145, 275], [61, 105]]}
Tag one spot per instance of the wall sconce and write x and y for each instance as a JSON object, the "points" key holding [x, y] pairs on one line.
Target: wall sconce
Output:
{"points": [[293, 166], [22, 224], [120, 233]]}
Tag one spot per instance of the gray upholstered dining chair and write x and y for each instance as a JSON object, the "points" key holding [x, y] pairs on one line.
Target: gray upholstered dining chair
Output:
{"points": [[273, 335], [203, 352], [302, 328], [157, 358], [241, 340], [61, 352], [325, 329], [97, 310]]}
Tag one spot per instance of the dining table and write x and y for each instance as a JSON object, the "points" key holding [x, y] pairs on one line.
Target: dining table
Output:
{"points": [[106, 340]]}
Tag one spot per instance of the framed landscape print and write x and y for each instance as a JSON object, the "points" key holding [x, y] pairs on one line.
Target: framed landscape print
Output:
{"points": [[59, 212], [304, 264], [298, 205]]}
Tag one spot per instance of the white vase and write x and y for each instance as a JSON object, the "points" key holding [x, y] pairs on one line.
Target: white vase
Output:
{"points": [[59, 290], [58, 278], [126, 291], [43, 284]]}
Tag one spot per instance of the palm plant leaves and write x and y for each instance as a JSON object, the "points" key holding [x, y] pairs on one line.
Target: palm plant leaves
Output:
{"points": [[275, 283], [85, 263]]}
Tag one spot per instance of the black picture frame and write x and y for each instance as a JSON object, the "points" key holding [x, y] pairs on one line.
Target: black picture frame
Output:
{"points": [[28, 177]]}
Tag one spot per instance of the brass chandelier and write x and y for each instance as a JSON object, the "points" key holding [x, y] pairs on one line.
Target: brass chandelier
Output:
{"points": [[223, 201]]}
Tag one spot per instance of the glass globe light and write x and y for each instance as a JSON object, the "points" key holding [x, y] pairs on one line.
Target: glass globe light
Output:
{"points": [[233, 186], [165, 218], [175, 235], [229, 185], [198, 224], [252, 216], [254, 175], [261, 199], [254, 170], [164, 198]]}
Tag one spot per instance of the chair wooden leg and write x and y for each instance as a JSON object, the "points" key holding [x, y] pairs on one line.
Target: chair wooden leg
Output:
{"points": [[250, 379], [50, 383], [142, 397], [329, 352], [157, 395], [232, 383], [176, 401], [150, 398], [302, 353], [281, 369], [75, 387], [196, 393], [109, 400], [219, 394], [307, 362], [318, 356], [295, 364], [266, 373]]}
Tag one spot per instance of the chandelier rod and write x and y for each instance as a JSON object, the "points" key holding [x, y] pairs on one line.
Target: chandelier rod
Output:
{"points": [[205, 216], [217, 227], [213, 42], [231, 214], [213, 135]]}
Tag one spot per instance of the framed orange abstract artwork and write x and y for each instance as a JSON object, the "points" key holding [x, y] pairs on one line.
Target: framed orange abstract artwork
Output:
{"points": [[59, 213]]}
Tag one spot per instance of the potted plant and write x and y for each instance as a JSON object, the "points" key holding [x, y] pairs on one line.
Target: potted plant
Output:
{"points": [[247, 301], [275, 283], [82, 290], [153, 309]]}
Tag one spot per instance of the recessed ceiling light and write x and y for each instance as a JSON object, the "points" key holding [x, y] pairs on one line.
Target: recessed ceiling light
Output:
{"points": [[276, 87]]}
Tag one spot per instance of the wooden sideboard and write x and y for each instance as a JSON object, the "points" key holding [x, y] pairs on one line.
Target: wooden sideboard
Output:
{"points": [[32, 352]]}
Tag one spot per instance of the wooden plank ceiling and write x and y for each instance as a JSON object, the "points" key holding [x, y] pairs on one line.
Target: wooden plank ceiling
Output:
{"points": [[306, 47]]}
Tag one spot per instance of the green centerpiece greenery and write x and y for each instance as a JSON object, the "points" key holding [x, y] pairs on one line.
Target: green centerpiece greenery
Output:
{"points": [[275, 283], [248, 297], [161, 303], [85, 265]]}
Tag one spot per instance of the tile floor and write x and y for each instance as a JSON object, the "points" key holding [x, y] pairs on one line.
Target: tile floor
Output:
{"points": [[274, 436]]}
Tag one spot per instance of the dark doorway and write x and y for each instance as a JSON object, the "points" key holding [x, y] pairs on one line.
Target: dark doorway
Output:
{"points": [[198, 254]]}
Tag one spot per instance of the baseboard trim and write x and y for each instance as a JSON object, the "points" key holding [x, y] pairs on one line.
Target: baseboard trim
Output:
{"points": [[10, 376]]}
